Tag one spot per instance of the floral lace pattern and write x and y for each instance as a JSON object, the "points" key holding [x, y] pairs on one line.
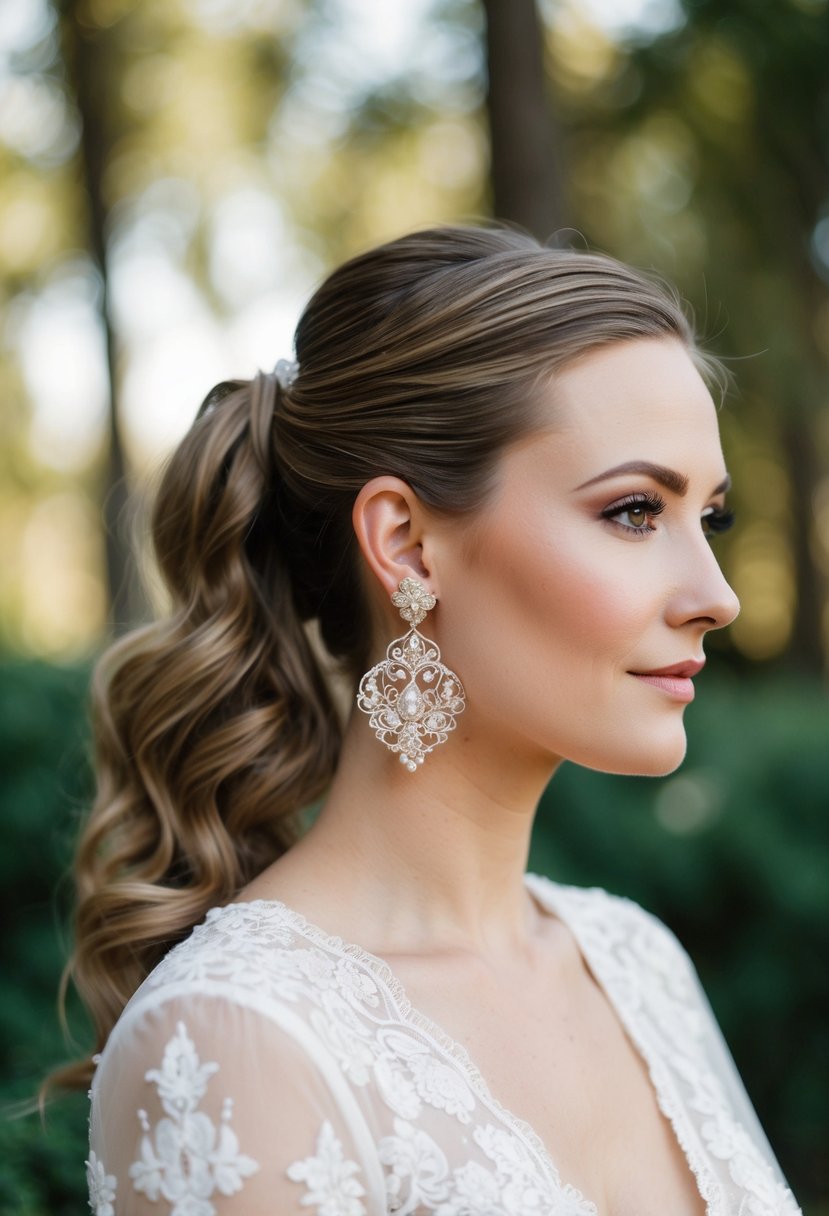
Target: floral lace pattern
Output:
{"points": [[355, 1008], [329, 1178], [442, 1142], [101, 1187], [649, 980], [186, 1159]]}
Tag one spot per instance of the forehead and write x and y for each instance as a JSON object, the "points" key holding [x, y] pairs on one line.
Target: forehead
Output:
{"points": [[638, 400]]}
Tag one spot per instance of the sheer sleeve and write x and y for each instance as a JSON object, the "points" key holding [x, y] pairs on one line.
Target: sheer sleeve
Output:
{"points": [[201, 1106], [725, 1070], [705, 1072], [654, 988]]}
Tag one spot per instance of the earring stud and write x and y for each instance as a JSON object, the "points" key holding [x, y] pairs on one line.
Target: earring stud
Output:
{"points": [[412, 698]]}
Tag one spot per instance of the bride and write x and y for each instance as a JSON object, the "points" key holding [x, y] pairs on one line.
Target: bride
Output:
{"points": [[482, 500]]}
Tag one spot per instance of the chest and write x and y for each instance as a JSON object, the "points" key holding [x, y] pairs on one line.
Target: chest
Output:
{"points": [[553, 1052]]}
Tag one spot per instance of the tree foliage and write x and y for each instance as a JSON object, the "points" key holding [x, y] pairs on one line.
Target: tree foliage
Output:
{"points": [[703, 151]]}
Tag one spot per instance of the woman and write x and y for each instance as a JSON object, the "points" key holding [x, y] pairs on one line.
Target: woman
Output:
{"points": [[514, 448]]}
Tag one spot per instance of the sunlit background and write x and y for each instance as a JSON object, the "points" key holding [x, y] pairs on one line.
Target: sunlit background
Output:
{"points": [[175, 178], [249, 145]]}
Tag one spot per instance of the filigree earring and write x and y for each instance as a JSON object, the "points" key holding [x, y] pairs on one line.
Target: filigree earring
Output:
{"points": [[413, 719]]}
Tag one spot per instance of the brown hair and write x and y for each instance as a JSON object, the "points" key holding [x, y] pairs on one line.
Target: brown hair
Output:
{"points": [[214, 727]]}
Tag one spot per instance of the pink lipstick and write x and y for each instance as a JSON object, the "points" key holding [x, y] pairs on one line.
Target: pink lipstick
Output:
{"points": [[675, 680]]}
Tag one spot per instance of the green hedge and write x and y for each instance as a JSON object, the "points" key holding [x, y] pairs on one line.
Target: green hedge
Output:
{"points": [[731, 852], [45, 788]]}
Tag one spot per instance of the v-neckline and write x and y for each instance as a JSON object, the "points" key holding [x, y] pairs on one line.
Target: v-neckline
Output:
{"points": [[551, 898]]}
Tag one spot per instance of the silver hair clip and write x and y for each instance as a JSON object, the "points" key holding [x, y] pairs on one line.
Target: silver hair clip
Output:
{"points": [[286, 372]]}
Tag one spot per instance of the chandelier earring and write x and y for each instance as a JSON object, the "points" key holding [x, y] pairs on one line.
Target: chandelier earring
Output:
{"points": [[411, 697]]}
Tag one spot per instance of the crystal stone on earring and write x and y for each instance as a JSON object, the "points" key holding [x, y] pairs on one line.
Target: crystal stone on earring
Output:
{"points": [[410, 702], [413, 600]]}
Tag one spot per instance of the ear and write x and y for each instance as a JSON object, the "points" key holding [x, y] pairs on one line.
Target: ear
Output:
{"points": [[389, 522]]}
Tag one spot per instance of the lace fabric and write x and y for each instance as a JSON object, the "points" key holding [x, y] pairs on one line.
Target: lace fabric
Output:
{"points": [[268, 1067]]}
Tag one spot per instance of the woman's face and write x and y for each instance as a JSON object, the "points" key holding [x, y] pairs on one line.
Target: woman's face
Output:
{"points": [[592, 565]]}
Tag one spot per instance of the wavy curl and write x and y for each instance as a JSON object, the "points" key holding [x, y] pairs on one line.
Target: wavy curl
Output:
{"points": [[212, 728]]}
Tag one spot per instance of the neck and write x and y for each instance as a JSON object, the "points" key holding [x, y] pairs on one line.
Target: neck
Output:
{"points": [[435, 858]]}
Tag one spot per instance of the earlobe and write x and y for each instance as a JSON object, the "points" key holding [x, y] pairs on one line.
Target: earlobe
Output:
{"points": [[388, 523]]}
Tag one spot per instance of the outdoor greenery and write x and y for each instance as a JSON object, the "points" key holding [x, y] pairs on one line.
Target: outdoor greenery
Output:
{"points": [[46, 785], [176, 175], [728, 852]]}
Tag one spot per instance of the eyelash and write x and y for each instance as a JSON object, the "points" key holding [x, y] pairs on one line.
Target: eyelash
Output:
{"points": [[714, 521]]}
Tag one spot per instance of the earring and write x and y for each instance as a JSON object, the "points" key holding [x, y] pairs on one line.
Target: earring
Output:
{"points": [[411, 720]]}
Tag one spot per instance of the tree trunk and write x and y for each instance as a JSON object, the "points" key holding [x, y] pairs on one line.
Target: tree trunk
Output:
{"points": [[88, 56], [525, 172]]}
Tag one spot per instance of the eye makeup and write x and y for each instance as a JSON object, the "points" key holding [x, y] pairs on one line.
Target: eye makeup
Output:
{"points": [[645, 505], [641, 508], [716, 520]]}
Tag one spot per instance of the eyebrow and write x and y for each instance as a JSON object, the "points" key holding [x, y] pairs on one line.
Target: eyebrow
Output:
{"points": [[668, 478]]}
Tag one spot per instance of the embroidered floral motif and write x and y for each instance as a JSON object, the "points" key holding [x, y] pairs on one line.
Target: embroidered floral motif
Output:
{"points": [[102, 1187], [728, 1141], [476, 1192], [346, 1038], [650, 981], [186, 1160], [445, 1146], [418, 1170], [432, 1081], [329, 1178], [356, 984], [419, 1179], [396, 1087], [522, 1189]]}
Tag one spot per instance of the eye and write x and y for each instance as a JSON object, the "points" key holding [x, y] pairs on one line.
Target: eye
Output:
{"points": [[634, 517], [716, 520], [635, 512]]}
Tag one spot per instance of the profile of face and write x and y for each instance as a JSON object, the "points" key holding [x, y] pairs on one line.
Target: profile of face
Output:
{"points": [[590, 566]]}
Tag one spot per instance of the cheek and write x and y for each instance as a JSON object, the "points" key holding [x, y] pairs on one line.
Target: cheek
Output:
{"points": [[575, 594], [581, 608], [541, 631], [545, 613]]}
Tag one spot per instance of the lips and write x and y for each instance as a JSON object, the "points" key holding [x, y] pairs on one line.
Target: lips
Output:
{"points": [[674, 680], [684, 670]]}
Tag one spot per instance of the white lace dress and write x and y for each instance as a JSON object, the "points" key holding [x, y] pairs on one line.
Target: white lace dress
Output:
{"points": [[265, 1068]]}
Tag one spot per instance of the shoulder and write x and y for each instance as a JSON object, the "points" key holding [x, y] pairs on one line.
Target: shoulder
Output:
{"points": [[226, 1058], [614, 927], [251, 980], [260, 955], [218, 1080], [594, 903]]}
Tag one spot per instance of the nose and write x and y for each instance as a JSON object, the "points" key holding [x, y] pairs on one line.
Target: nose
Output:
{"points": [[702, 592]]}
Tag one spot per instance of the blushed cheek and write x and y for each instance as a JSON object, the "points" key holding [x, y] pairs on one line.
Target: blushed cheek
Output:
{"points": [[574, 598], [548, 629]]}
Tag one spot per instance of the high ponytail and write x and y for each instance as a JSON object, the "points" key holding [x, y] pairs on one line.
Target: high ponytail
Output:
{"points": [[212, 728], [422, 359]]}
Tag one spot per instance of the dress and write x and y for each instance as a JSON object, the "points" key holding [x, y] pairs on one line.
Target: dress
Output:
{"points": [[266, 1067]]}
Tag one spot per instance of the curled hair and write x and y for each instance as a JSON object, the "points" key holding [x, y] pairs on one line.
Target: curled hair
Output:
{"points": [[214, 727]]}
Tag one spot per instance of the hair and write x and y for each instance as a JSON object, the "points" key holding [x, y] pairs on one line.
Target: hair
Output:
{"points": [[215, 727]]}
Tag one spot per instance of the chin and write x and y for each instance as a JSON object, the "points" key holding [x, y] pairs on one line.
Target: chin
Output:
{"points": [[654, 757]]}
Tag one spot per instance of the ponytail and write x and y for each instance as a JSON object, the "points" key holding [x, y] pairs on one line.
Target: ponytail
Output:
{"points": [[214, 727]]}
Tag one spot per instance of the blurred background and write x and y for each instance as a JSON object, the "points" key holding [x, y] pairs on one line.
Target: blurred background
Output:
{"points": [[175, 178]]}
